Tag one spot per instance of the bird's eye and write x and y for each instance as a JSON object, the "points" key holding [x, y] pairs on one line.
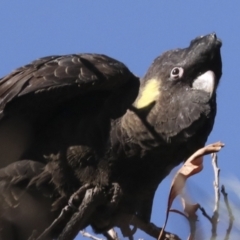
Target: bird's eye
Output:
{"points": [[176, 73]]}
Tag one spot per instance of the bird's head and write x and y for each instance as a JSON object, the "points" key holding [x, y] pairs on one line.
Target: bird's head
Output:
{"points": [[195, 68]]}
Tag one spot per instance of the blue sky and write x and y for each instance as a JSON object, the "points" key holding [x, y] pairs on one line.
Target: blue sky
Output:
{"points": [[135, 32]]}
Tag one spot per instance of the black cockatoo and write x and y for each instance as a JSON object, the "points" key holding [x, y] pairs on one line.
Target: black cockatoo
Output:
{"points": [[85, 120]]}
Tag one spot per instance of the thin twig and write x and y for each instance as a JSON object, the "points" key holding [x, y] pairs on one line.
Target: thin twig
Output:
{"points": [[86, 234], [231, 217], [190, 211], [111, 235], [124, 220], [204, 213], [217, 196]]}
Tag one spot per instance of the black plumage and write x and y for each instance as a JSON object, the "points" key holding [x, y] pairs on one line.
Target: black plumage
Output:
{"points": [[70, 113]]}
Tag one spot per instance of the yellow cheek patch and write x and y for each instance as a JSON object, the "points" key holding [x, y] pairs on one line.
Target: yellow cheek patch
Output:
{"points": [[149, 93]]}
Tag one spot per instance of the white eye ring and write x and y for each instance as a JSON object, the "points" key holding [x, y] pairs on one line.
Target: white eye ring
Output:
{"points": [[176, 73]]}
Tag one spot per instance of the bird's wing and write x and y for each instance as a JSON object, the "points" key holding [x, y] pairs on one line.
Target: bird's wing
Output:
{"points": [[34, 92], [13, 177], [58, 78]]}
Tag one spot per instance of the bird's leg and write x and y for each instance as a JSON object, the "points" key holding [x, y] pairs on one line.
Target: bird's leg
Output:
{"points": [[66, 212], [125, 228], [127, 231], [102, 219], [86, 197], [93, 198]]}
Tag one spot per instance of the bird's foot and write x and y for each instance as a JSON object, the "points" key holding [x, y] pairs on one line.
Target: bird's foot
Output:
{"points": [[77, 197], [115, 194], [93, 198]]}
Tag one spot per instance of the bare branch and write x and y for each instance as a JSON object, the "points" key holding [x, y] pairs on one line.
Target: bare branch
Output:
{"points": [[204, 213], [216, 181], [190, 214], [111, 235], [190, 210], [124, 220], [231, 217], [62, 219], [192, 166], [86, 234], [217, 196]]}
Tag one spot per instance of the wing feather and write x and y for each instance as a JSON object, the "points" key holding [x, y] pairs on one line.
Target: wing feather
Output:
{"points": [[34, 98], [82, 73]]}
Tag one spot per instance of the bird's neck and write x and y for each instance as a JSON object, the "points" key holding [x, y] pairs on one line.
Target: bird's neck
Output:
{"points": [[138, 123], [135, 132]]}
